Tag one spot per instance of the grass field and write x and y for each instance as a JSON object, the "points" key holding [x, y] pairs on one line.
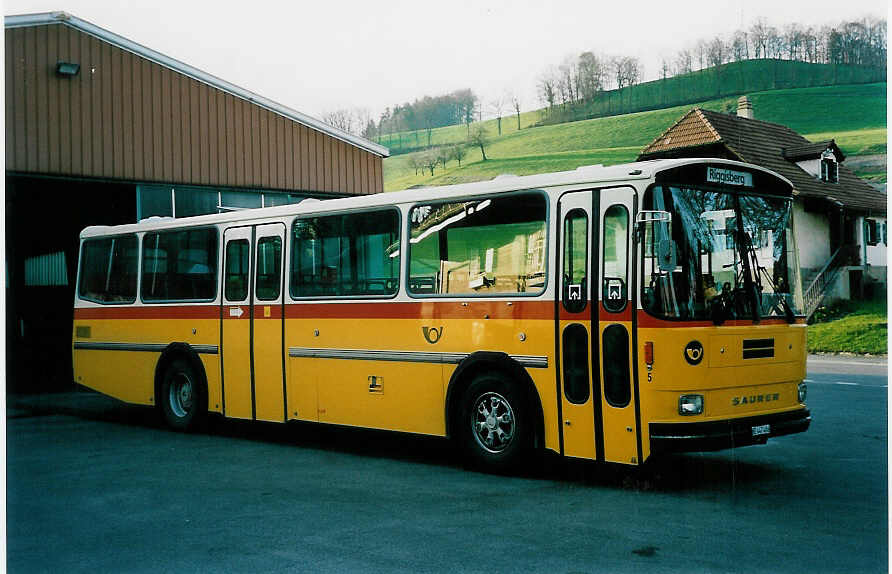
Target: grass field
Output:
{"points": [[853, 327], [853, 115]]}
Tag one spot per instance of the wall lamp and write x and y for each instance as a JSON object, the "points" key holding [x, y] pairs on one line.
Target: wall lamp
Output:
{"points": [[67, 69]]}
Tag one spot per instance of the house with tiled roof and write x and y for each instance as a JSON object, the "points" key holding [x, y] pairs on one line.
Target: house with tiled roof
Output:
{"points": [[840, 220]]}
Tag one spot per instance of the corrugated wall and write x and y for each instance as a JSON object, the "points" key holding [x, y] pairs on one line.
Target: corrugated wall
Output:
{"points": [[124, 117]]}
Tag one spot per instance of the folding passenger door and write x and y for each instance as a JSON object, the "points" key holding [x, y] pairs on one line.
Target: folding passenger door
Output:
{"points": [[252, 352], [267, 320], [580, 399], [235, 351], [615, 325]]}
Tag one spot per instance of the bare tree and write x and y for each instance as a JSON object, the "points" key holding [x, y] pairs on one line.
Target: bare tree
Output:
{"points": [[590, 71], [775, 43], [793, 38], [616, 68], [665, 69], [758, 36], [810, 44], [515, 103], [633, 70], [823, 49], [877, 37], [465, 101], [567, 80], [717, 52], [458, 153], [429, 160], [701, 49], [342, 119], [684, 62], [480, 139], [362, 116], [370, 131], [443, 155], [626, 71], [497, 106], [547, 88], [739, 46]]}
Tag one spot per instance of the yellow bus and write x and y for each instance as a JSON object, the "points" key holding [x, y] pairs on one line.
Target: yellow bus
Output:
{"points": [[605, 313]]}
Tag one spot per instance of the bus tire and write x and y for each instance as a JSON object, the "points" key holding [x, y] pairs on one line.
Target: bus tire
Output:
{"points": [[495, 425], [183, 397]]}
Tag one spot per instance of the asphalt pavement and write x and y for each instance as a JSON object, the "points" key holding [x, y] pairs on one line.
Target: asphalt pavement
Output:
{"points": [[95, 485]]}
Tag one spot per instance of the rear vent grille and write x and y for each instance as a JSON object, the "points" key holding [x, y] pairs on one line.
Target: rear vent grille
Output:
{"points": [[758, 348]]}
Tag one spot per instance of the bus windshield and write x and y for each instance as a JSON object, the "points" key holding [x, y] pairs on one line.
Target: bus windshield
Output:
{"points": [[734, 256]]}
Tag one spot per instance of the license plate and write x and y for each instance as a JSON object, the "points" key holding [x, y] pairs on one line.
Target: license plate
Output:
{"points": [[761, 430]]}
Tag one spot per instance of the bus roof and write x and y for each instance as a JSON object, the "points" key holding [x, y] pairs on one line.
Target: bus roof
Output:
{"points": [[592, 174]]}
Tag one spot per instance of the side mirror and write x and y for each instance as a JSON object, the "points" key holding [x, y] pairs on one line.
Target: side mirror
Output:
{"points": [[650, 216], [646, 216], [663, 245]]}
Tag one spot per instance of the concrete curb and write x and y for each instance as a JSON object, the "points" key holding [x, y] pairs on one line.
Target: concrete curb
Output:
{"points": [[849, 359]]}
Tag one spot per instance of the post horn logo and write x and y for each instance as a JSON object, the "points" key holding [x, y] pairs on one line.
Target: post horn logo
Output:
{"points": [[693, 353], [432, 334]]}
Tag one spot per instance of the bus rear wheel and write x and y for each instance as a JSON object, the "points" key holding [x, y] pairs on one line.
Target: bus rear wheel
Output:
{"points": [[495, 426], [182, 397]]}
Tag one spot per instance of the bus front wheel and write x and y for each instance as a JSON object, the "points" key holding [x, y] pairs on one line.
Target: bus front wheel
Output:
{"points": [[495, 426], [182, 396]]}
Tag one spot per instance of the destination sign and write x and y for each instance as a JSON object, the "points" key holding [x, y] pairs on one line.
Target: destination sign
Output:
{"points": [[729, 177]]}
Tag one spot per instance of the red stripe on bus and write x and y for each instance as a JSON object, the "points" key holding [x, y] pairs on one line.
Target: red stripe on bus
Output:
{"points": [[475, 309], [603, 314], [150, 312], [624, 315], [520, 310], [275, 312]]}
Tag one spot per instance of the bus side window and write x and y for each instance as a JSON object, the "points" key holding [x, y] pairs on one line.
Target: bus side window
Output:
{"points": [[236, 282], [353, 254], [109, 270], [180, 265], [487, 246], [575, 289], [615, 259], [269, 268]]}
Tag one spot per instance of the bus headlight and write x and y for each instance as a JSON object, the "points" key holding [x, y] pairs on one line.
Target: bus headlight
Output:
{"points": [[690, 405], [803, 391]]}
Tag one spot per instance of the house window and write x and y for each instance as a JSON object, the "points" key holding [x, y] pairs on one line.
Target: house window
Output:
{"points": [[829, 170], [870, 230]]}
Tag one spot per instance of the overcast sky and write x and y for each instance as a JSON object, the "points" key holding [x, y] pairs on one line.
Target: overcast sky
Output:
{"points": [[323, 55]]}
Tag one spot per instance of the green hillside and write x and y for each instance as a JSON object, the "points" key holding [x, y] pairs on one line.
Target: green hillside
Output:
{"points": [[854, 115], [732, 79], [725, 81]]}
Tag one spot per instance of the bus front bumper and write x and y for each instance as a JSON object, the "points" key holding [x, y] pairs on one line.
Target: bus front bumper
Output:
{"points": [[729, 433]]}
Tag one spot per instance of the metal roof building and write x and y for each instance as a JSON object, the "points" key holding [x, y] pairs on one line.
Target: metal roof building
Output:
{"points": [[103, 130]]}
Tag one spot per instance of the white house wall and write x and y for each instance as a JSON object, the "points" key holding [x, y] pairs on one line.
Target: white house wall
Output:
{"points": [[876, 254], [811, 166], [812, 237]]}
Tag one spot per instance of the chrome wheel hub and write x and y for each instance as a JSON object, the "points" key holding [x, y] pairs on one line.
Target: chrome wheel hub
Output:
{"points": [[180, 397], [493, 422]]}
